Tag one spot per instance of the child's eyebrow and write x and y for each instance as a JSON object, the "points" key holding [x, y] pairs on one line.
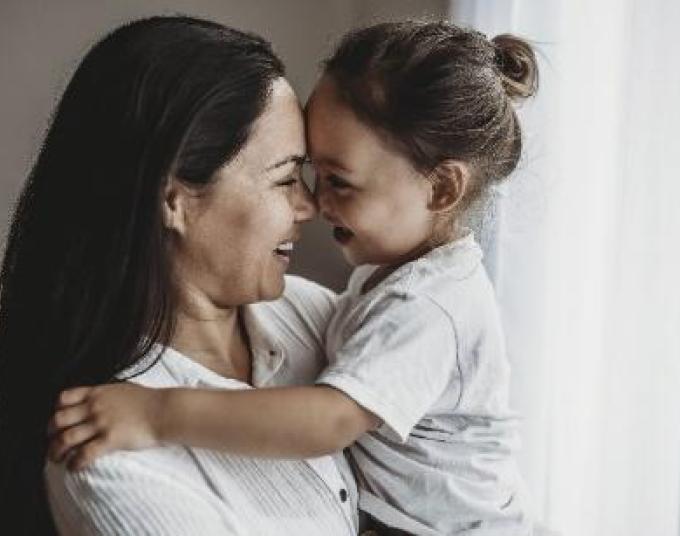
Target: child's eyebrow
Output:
{"points": [[329, 161]]}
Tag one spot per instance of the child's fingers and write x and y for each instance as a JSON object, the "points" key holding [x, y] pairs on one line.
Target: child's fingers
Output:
{"points": [[77, 395], [71, 438], [87, 453], [67, 417]]}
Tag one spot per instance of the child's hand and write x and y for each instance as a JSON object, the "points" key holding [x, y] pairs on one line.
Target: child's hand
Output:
{"points": [[91, 421]]}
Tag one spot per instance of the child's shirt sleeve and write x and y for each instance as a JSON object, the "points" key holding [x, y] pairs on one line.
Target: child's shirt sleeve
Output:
{"points": [[398, 362]]}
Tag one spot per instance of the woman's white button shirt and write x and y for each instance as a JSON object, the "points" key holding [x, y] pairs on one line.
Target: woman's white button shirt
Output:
{"points": [[176, 490]]}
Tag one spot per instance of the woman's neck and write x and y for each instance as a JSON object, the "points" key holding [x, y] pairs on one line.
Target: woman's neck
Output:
{"points": [[213, 336]]}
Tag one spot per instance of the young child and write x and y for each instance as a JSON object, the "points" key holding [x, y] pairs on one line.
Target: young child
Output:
{"points": [[408, 125]]}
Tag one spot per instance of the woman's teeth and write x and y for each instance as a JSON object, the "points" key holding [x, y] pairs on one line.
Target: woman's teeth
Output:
{"points": [[284, 249]]}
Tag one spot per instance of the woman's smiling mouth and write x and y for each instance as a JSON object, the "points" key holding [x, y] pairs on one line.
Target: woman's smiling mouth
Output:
{"points": [[284, 251]]}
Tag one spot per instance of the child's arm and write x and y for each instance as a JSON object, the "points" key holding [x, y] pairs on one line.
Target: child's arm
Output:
{"points": [[281, 422]]}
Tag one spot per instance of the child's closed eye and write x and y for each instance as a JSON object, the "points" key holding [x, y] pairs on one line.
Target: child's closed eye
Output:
{"points": [[337, 182]]}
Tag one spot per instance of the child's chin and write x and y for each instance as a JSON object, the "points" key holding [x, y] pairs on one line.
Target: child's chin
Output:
{"points": [[352, 257], [356, 258]]}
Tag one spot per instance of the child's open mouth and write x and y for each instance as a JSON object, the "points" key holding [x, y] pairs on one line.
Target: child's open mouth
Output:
{"points": [[342, 235]]}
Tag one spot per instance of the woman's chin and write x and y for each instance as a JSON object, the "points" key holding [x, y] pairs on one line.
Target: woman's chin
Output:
{"points": [[273, 289]]}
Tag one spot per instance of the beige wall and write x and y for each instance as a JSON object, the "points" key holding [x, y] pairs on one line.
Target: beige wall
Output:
{"points": [[41, 42]]}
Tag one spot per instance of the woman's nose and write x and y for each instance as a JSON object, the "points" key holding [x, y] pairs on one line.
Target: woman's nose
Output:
{"points": [[305, 204]]}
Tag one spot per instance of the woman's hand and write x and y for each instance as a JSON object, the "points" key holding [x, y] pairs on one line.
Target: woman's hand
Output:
{"points": [[91, 421]]}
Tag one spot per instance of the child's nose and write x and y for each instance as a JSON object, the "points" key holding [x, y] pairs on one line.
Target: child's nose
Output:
{"points": [[321, 197], [328, 214]]}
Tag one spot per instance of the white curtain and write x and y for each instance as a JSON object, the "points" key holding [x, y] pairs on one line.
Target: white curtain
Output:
{"points": [[584, 250]]}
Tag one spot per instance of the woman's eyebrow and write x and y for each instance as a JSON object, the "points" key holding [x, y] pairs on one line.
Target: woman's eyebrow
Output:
{"points": [[295, 158]]}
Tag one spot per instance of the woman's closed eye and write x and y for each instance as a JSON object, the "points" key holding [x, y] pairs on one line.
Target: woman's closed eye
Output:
{"points": [[290, 180]]}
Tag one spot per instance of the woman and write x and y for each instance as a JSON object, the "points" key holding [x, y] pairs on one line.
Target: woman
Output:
{"points": [[164, 203]]}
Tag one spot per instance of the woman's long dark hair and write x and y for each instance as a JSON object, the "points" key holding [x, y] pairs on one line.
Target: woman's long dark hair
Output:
{"points": [[85, 287]]}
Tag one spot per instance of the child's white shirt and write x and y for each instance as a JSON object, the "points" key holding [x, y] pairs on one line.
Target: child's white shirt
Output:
{"points": [[424, 351]]}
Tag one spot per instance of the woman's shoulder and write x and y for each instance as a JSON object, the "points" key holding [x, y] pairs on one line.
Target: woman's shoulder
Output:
{"points": [[298, 319], [302, 289], [158, 368]]}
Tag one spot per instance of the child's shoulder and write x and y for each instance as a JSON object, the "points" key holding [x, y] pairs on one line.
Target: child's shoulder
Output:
{"points": [[448, 281], [400, 302], [452, 278], [448, 269]]}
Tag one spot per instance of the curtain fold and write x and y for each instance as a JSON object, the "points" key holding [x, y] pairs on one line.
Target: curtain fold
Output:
{"points": [[583, 246]]}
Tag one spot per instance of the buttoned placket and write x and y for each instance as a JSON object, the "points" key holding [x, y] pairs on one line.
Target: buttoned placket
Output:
{"points": [[268, 359]]}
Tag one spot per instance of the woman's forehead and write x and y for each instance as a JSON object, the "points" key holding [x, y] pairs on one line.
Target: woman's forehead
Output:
{"points": [[278, 134]]}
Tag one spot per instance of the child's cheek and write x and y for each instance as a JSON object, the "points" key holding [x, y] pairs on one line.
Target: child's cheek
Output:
{"points": [[347, 206]]}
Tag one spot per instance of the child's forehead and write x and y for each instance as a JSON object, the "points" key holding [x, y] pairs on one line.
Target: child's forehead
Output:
{"points": [[332, 161], [337, 138], [335, 127], [324, 105], [342, 149]]}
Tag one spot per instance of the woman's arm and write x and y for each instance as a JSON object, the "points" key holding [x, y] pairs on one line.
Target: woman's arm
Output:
{"points": [[279, 422]]}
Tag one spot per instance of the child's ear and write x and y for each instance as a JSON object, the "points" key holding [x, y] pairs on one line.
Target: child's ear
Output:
{"points": [[174, 205], [450, 180]]}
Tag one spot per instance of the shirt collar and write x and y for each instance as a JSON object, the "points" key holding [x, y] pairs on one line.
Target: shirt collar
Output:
{"points": [[457, 258]]}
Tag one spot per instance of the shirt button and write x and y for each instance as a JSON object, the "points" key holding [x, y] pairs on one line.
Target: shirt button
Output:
{"points": [[343, 495]]}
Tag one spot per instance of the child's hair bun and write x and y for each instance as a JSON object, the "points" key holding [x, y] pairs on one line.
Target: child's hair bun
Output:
{"points": [[517, 64]]}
